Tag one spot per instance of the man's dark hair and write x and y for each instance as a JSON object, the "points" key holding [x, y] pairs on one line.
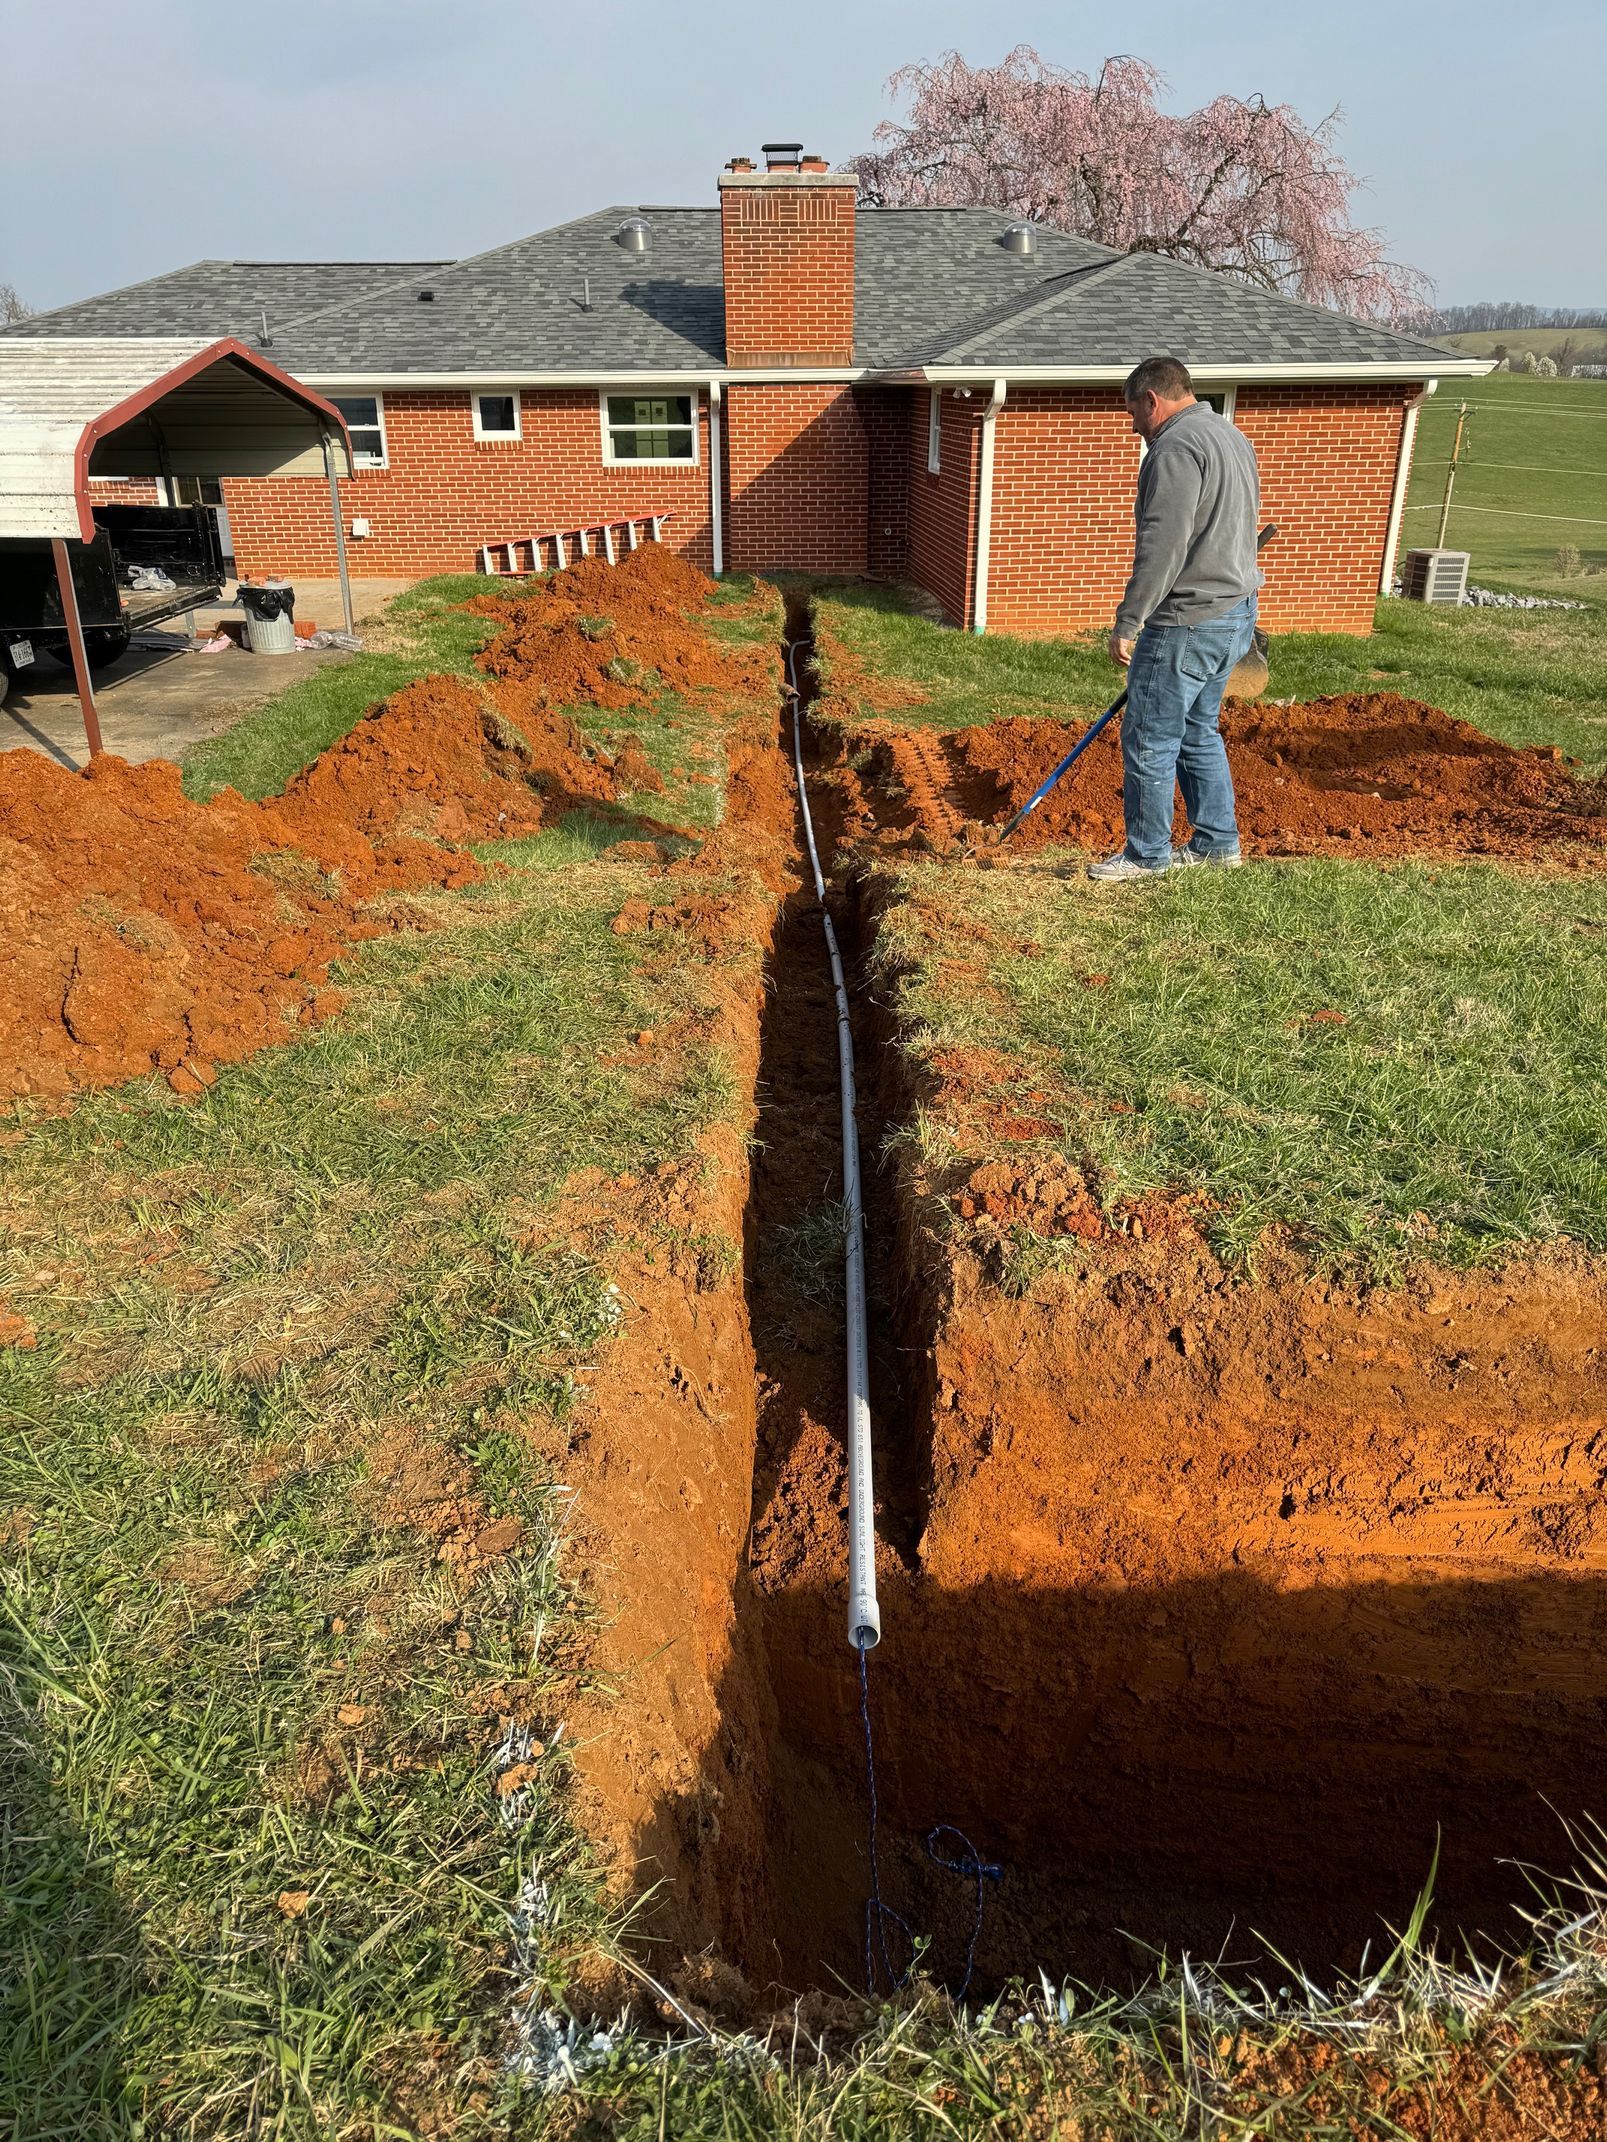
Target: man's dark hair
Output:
{"points": [[1167, 378]]}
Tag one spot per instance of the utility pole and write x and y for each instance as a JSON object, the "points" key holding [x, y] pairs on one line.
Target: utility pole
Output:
{"points": [[1450, 475]]}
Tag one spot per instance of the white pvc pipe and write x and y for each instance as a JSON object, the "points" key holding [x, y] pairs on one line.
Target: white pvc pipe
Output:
{"points": [[984, 510], [864, 1615], [1397, 499], [716, 481]]}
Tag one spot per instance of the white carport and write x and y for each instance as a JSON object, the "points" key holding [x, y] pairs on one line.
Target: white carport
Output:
{"points": [[76, 407]]}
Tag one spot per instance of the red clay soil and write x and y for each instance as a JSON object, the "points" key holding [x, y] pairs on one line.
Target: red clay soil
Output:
{"points": [[1370, 774], [602, 635], [1225, 1601], [141, 931]]}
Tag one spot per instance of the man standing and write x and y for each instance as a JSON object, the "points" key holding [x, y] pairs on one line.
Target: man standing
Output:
{"points": [[1187, 617]]}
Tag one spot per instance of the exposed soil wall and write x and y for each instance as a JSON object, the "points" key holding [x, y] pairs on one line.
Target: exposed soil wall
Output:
{"points": [[1227, 1601]]}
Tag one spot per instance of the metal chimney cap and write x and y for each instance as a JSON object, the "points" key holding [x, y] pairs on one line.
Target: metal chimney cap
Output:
{"points": [[1020, 238], [781, 148], [633, 235]]}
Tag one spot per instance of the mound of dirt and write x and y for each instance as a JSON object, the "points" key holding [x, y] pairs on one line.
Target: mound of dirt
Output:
{"points": [[1362, 774], [602, 635], [142, 931]]}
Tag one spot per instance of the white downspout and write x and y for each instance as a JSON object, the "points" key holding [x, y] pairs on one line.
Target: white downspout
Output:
{"points": [[716, 516], [1397, 502], [984, 510]]}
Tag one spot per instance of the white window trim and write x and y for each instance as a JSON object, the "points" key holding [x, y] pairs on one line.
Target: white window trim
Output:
{"points": [[664, 461], [365, 468], [934, 432], [499, 438]]}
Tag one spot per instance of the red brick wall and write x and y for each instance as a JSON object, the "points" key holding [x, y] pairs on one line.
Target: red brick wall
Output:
{"points": [[1065, 466], [136, 491], [1328, 457], [798, 472], [445, 492], [788, 250], [885, 414], [942, 549]]}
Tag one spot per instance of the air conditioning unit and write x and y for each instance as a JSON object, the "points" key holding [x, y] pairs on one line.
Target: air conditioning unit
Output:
{"points": [[1435, 575]]}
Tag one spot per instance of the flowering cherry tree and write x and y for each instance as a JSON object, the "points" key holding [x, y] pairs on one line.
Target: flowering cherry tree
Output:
{"points": [[1240, 185]]}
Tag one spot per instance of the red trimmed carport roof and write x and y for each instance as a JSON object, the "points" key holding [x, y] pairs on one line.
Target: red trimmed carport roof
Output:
{"points": [[76, 406]]}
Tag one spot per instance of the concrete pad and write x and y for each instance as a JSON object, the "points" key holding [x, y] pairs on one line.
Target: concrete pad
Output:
{"points": [[160, 700]]}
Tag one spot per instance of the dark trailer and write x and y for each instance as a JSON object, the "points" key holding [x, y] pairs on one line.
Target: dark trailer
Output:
{"points": [[118, 581], [73, 407]]}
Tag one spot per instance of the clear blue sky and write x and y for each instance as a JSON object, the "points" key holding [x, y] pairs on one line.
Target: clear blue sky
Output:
{"points": [[140, 135]]}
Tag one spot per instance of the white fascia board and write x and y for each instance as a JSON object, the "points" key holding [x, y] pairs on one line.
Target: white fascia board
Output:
{"points": [[1112, 375], [471, 382]]}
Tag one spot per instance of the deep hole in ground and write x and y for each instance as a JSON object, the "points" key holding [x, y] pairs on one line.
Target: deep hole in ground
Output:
{"points": [[1251, 1746]]}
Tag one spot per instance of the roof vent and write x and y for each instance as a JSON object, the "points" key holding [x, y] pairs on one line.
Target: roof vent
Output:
{"points": [[633, 235], [426, 297], [1020, 238]]}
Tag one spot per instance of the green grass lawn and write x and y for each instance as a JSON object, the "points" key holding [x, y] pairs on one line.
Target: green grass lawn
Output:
{"points": [[1391, 1065], [255, 1880], [254, 1877], [1527, 677], [1532, 478]]}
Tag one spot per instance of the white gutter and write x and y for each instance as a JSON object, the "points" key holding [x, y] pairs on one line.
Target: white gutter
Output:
{"points": [[1112, 375], [716, 523], [937, 375], [1397, 497], [468, 382], [984, 510]]}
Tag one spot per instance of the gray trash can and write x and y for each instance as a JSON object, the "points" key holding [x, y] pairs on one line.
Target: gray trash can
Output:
{"points": [[269, 617]]}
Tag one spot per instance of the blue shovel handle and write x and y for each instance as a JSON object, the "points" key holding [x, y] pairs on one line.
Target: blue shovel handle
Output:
{"points": [[1070, 760]]}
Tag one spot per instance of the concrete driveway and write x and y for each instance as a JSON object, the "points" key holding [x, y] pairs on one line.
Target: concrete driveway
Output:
{"points": [[160, 700]]}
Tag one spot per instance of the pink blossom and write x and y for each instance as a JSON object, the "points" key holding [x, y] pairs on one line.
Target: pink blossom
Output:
{"points": [[1240, 185]]}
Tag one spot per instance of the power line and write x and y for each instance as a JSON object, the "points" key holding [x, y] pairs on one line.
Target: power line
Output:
{"points": [[1533, 468], [1510, 513], [1573, 416]]}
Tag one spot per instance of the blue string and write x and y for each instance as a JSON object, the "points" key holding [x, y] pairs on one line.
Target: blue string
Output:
{"points": [[878, 1913], [970, 1862]]}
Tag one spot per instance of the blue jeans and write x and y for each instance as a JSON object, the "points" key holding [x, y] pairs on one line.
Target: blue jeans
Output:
{"points": [[1170, 736]]}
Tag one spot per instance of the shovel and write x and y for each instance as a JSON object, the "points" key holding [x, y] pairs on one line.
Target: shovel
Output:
{"points": [[1248, 681]]}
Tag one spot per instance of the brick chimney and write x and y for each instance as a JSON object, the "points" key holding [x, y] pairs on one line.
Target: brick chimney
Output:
{"points": [[787, 239]]}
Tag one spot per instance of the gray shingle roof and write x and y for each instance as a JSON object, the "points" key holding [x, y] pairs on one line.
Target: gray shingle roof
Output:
{"points": [[522, 307], [1141, 302], [221, 297], [932, 285], [920, 272]]}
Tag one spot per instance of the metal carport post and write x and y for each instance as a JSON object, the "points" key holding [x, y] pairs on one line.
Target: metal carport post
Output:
{"points": [[76, 406]]}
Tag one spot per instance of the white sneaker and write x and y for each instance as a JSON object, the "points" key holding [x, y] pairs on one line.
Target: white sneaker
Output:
{"points": [[1183, 857], [1117, 869]]}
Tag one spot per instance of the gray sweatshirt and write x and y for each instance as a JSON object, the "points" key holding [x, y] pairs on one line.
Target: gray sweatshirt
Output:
{"points": [[1199, 497]]}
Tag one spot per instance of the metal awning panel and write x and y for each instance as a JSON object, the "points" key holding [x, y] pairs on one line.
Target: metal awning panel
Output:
{"points": [[72, 407]]}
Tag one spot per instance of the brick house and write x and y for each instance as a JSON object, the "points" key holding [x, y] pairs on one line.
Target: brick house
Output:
{"points": [[805, 383]]}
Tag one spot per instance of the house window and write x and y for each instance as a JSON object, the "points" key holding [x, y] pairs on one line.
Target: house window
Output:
{"points": [[496, 416], [934, 431], [365, 420], [1221, 399], [649, 427]]}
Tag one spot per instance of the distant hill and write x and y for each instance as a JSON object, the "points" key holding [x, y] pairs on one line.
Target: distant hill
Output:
{"points": [[1587, 343]]}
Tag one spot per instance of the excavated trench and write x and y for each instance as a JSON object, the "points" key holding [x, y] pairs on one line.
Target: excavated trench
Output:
{"points": [[1212, 1612]]}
